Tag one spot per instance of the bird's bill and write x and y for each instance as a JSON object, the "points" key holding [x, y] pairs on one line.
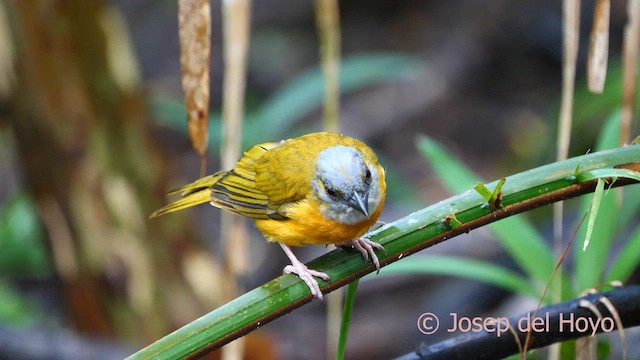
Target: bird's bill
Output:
{"points": [[359, 203]]}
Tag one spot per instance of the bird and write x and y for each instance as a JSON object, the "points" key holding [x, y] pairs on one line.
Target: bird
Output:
{"points": [[317, 189]]}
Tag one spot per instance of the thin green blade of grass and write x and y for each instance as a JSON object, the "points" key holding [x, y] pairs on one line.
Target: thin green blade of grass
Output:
{"points": [[593, 212], [346, 318], [464, 268], [589, 264], [516, 235], [627, 260]]}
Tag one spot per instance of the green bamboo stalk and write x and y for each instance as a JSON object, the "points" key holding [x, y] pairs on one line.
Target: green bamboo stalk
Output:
{"points": [[521, 192]]}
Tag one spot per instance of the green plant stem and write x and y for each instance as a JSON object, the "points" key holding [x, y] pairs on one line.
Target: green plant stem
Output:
{"points": [[346, 318], [521, 192]]}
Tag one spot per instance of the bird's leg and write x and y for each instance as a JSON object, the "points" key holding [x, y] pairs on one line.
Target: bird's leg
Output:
{"points": [[306, 274], [365, 247]]}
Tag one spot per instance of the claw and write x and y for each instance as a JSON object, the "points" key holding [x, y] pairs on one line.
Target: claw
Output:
{"points": [[365, 247]]}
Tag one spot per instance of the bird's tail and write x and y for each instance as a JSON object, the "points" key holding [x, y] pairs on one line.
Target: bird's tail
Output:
{"points": [[195, 193]]}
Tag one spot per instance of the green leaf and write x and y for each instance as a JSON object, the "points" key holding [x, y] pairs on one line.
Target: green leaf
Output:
{"points": [[609, 137], [346, 318], [628, 259], [630, 206], [462, 267], [400, 190], [21, 239], [496, 193], [482, 189], [593, 213], [519, 238], [14, 309], [608, 173]]}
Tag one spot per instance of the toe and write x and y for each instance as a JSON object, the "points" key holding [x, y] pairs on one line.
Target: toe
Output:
{"points": [[319, 274], [307, 275]]}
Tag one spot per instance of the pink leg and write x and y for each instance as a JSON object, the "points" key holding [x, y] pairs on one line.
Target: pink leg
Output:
{"points": [[304, 272]]}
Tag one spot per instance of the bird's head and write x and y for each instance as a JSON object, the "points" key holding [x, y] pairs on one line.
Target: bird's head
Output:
{"points": [[347, 184]]}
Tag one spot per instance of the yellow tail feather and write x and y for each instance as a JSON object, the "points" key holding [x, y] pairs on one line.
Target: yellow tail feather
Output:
{"points": [[200, 184], [195, 193], [188, 201]]}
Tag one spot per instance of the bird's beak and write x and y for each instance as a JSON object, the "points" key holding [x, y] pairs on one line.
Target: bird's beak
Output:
{"points": [[359, 202]]}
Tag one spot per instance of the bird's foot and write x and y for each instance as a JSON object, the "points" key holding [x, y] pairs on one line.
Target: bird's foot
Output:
{"points": [[365, 247], [307, 275]]}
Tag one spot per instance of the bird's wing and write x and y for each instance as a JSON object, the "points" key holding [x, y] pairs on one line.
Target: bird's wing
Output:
{"points": [[284, 174], [237, 192]]}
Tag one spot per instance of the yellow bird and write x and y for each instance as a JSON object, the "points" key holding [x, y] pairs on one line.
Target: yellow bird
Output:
{"points": [[320, 188]]}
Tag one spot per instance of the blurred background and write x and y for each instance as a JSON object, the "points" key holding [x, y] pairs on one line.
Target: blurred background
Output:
{"points": [[93, 134]]}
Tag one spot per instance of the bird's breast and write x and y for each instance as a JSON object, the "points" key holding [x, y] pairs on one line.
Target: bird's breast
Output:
{"points": [[306, 225]]}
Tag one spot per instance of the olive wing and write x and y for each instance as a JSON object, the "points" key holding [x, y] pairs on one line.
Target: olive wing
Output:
{"points": [[236, 191], [285, 173]]}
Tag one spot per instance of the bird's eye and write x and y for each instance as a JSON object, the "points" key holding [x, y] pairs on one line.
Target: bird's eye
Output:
{"points": [[331, 192], [367, 176]]}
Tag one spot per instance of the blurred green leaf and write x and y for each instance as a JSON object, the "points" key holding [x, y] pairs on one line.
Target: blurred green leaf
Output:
{"points": [[608, 139], [517, 236], [588, 105], [14, 310], [401, 191], [628, 259], [21, 240], [297, 98], [306, 92], [462, 267]]}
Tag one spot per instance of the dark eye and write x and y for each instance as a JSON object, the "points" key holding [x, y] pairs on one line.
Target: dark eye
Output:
{"points": [[331, 192], [367, 176]]}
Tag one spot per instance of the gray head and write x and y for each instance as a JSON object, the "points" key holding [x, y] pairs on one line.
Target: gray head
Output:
{"points": [[347, 184]]}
